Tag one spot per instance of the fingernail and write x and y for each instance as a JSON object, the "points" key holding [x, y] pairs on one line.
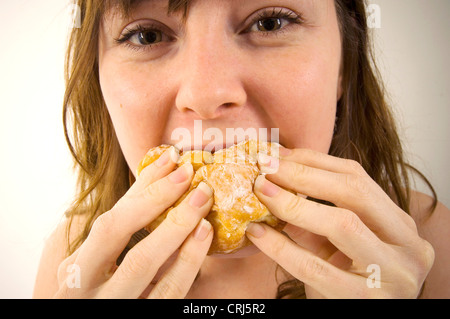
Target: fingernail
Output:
{"points": [[170, 154], [203, 229], [201, 195], [268, 164], [181, 174], [266, 187], [255, 230]]}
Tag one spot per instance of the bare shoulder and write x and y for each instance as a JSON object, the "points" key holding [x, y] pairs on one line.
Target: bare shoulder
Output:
{"points": [[53, 254], [435, 228], [428, 220]]}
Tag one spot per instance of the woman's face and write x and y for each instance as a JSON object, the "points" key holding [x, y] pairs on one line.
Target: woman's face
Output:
{"points": [[259, 64]]}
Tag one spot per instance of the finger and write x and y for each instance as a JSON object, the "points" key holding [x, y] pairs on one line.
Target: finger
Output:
{"points": [[112, 231], [327, 279], [178, 279], [318, 245], [334, 164], [143, 261], [320, 160], [161, 271], [156, 170], [342, 227], [356, 192]]}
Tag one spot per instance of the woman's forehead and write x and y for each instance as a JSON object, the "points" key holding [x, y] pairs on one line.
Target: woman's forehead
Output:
{"points": [[127, 6]]}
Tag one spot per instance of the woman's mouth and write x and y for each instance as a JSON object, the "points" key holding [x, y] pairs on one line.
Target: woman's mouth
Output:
{"points": [[213, 139], [208, 147]]}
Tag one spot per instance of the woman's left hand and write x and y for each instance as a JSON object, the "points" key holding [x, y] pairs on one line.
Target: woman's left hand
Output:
{"points": [[365, 247]]}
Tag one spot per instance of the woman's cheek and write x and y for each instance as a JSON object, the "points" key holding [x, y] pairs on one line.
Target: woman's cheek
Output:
{"points": [[301, 102], [135, 108]]}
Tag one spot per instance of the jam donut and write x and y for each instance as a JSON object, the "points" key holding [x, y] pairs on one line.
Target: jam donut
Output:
{"points": [[231, 174]]}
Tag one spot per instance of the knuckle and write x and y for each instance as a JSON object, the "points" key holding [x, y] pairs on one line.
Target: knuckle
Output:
{"points": [[408, 220], [186, 259], [104, 224], [293, 209], [278, 246], [420, 256], [136, 262], [357, 185], [312, 268], [412, 268], [299, 170], [429, 254], [153, 191], [177, 218], [426, 256], [355, 168], [349, 222], [160, 195], [168, 288]]}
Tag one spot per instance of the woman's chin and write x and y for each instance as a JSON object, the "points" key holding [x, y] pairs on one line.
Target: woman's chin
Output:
{"points": [[241, 253]]}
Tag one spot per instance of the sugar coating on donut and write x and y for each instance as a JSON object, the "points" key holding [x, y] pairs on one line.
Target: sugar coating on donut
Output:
{"points": [[231, 174]]}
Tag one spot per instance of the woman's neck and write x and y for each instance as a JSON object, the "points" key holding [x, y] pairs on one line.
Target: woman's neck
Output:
{"points": [[249, 277]]}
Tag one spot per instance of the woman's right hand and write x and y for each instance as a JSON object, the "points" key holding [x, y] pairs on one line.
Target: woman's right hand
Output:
{"points": [[156, 189]]}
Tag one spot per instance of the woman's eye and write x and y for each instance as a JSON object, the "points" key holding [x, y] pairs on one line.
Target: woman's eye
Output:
{"points": [[273, 20], [146, 37], [270, 24], [143, 37]]}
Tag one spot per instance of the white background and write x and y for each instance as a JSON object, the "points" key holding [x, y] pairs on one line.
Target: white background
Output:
{"points": [[36, 178]]}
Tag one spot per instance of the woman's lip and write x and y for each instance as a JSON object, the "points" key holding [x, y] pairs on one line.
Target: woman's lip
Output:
{"points": [[205, 147], [210, 147]]}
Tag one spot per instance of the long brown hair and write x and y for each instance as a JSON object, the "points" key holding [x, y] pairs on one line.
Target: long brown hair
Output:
{"points": [[365, 128]]}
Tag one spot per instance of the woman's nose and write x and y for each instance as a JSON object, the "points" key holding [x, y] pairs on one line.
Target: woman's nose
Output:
{"points": [[211, 79]]}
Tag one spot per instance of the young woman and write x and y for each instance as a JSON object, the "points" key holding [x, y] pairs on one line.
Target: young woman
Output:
{"points": [[138, 70]]}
